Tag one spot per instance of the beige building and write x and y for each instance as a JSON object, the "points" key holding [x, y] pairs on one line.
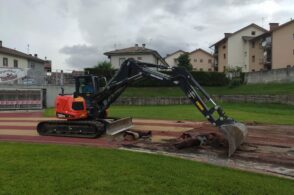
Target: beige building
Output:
{"points": [[273, 49], [283, 46], [232, 51], [117, 57], [201, 60], [172, 59]]}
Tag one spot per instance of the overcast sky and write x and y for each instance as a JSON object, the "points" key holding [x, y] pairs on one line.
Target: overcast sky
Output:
{"points": [[75, 33]]}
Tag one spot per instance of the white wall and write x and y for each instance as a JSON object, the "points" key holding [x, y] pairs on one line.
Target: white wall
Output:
{"points": [[171, 60], [114, 60], [22, 62], [236, 48]]}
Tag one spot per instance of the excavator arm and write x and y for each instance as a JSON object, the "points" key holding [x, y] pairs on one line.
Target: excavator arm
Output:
{"points": [[132, 71]]}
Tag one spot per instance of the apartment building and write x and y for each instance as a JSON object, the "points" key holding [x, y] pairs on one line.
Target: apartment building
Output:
{"points": [[13, 60], [172, 59], [273, 49], [117, 57], [202, 60], [233, 50]]}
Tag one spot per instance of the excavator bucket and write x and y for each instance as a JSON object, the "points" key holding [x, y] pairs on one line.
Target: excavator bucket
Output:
{"points": [[117, 126], [235, 133]]}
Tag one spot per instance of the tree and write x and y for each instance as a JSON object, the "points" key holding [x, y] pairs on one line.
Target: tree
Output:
{"points": [[101, 69], [184, 61], [104, 66]]}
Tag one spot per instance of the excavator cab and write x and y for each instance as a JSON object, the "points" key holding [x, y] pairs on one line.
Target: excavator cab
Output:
{"points": [[88, 85]]}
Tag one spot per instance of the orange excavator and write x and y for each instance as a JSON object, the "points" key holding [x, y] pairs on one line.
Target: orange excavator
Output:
{"points": [[85, 111]]}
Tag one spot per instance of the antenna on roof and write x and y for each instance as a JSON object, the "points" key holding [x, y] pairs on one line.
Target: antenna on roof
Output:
{"points": [[28, 48], [150, 40], [262, 22]]}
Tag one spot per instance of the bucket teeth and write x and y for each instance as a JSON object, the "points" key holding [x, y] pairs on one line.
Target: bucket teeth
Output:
{"points": [[235, 133]]}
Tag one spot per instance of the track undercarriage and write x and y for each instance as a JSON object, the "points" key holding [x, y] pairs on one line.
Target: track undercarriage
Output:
{"points": [[83, 128]]}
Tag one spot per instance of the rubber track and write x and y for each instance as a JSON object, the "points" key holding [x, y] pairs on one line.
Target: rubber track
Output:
{"points": [[85, 129]]}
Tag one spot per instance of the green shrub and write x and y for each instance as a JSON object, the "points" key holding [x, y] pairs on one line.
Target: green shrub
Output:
{"points": [[203, 78], [235, 82], [108, 73]]}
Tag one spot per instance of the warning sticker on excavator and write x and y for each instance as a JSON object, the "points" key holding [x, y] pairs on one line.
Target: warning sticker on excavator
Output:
{"points": [[199, 105]]}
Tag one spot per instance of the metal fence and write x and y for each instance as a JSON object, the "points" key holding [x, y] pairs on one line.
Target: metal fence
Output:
{"points": [[21, 99]]}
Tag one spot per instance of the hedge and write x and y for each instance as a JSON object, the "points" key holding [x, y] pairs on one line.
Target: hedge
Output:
{"points": [[101, 72], [203, 78]]}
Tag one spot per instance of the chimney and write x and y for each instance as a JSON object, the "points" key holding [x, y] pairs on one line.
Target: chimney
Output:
{"points": [[227, 34], [143, 45], [35, 55], [273, 26], [0, 43]]}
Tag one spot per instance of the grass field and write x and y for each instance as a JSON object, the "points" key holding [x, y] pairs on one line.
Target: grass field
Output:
{"points": [[57, 169], [245, 112], [253, 89]]}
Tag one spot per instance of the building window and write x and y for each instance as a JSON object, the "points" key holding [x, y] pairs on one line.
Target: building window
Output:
{"points": [[253, 44], [139, 58], [253, 70], [209, 61], [224, 56], [15, 63], [32, 65], [224, 46], [201, 60], [252, 32], [253, 58], [195, 60], [209, 70], [5, 62]]}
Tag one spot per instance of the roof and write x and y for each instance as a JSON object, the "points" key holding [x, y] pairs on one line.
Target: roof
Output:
{"points": [[247, 38], [275, 29], [136, 50], [16, 53], [231, 34], [199, 49], [283, 25], [262, 35], [167, 55]]}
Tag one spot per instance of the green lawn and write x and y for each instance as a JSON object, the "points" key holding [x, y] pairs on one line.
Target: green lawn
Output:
{"points": [[245, 112], [57, 169], [253, 89]]}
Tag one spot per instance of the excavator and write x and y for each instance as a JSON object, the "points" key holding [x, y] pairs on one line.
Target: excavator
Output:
{"points": [[85, 111]]}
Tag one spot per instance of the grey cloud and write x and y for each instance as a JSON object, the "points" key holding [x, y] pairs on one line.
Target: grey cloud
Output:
{"points": [[245, 2], [79, 49], [199, 27], [81, 56], [76, 33]]}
